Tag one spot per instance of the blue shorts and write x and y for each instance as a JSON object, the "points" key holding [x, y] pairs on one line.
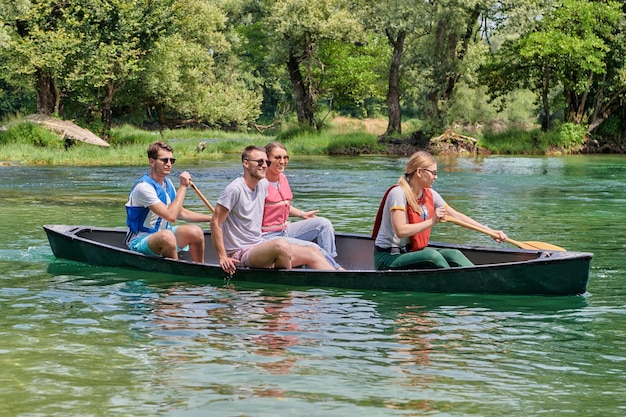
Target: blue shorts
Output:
{"points": [[140, 244]]}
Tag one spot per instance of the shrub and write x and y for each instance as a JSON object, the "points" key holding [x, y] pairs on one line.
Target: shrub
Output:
{"points": [[566, 135], [31, 134]]}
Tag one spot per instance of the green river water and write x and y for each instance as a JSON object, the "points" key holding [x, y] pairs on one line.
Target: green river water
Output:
{"points": [[77, 340]]}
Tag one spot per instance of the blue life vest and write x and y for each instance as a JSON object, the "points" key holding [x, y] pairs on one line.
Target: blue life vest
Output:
{"points": [[136, 215]]}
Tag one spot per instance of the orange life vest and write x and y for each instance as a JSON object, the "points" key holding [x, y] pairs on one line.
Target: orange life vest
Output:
{"points": [[419, 240]]}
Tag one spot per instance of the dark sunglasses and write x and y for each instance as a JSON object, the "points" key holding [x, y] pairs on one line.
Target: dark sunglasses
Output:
{"points": [[166, 160], [260, 161]]}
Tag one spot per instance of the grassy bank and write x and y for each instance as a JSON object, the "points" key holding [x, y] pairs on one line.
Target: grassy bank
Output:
{"points": [[31, 144]]}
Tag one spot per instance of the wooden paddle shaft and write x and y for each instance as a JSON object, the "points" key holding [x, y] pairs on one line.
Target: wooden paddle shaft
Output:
{"points": [[471, 226], [482, 230], [202, 197], [523, 245]]}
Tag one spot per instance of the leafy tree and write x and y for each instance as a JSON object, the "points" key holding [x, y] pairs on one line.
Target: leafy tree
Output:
{"points": [[118, 36], [352, 74], [193, 77], [567, 49], [79, 49], [394, 21], [430, 42], [38, 49], [297, 29], [608, 91], [453, 28]]}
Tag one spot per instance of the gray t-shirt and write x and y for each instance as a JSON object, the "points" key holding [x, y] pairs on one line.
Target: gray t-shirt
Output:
{"points": [[242, 227], [396, 200]]}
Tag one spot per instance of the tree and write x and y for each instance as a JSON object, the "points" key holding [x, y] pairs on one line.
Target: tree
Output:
{"points": [[80, 49], [297, 28], [352, 73], [38, 49], [430, 41], [566, 49], [452, 29], [119, 34], [395, 21], [192, 77]]}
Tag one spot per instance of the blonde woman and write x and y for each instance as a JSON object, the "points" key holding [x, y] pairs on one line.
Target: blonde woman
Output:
{"points": [[408, 212]]}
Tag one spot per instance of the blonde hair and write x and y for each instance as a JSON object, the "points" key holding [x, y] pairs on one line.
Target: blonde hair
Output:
{"points": [[273, 145], [420, 159]]}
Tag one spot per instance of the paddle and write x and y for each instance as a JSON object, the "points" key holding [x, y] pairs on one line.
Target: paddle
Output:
{"points": [[203, 198], [533, 245]]}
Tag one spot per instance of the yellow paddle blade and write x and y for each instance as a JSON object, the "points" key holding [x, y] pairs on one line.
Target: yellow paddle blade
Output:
{"points": [[538, 245]]}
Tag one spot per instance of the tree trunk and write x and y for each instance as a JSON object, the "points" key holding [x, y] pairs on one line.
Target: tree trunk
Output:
{"points": [[604, 106], [576, 104], [545, 102], [106, 114], [302, 98], [48, 94], [456, 54], [394, 112]]}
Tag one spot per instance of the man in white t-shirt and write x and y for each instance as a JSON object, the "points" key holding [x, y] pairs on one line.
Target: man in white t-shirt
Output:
{"points": [[236, 224], [153, 204]]}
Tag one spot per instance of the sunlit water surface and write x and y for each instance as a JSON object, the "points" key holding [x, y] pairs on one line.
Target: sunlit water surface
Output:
{"points": [[86, 341]]}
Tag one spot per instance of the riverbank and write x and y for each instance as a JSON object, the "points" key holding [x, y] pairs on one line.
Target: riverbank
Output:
{"points": [[24, 143]]}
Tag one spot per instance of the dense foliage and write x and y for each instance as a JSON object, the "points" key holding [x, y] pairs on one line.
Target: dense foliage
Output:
{"points": [[238, 64]]}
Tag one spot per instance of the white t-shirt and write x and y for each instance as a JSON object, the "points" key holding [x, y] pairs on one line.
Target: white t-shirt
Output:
{"points": [[396, 200], [242, 227]]}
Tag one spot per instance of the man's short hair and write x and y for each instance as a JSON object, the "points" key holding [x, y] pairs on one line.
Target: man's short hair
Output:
{"points": [[153, 150], [249, 149]]}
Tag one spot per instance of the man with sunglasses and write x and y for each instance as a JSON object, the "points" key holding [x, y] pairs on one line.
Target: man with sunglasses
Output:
{"points": [[236, 224], [153, 204]]}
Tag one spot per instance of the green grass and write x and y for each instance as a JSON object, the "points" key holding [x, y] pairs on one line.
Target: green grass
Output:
{"points": [[22, 144], [563, 138], [31, 144]]}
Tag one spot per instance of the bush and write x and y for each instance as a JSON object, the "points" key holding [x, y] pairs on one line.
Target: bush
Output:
{"points": [[129, 135], [513, 141], [355, 144], [31, 134], [566, 135], [291, 131]]}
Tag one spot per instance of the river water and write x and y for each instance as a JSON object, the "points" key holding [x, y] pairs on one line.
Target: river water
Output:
{"points": [[86, 341]]}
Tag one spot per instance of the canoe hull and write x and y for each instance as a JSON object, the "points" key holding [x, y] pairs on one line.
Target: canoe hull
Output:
{"points": [[498, 271]]}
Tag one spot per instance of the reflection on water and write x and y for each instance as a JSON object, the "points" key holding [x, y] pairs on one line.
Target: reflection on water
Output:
{"points": [[80, 340]]}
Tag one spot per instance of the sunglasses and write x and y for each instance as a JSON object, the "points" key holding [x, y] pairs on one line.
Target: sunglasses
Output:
{"points": [[430, 170], [166, 160], [260, 161]]}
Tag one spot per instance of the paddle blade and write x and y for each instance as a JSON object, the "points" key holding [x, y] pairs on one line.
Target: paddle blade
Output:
{"points": [[534, 245]]}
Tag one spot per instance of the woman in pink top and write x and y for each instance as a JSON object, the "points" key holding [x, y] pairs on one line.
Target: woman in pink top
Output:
{"points": [[278, 209]]}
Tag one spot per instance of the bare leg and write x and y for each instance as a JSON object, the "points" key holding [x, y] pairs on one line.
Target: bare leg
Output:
{"points": [[192, 235], [163, 242], [310, 256], [275, 253]]}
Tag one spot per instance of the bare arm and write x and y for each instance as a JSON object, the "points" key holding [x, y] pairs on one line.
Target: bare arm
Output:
{"points": [[294, 212], [192, 216], [172, 211], [402, 228], [502, 237], [217, 236]]}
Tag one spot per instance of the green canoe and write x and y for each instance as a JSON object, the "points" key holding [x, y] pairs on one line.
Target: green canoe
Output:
{"points": [[496, 271]]}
